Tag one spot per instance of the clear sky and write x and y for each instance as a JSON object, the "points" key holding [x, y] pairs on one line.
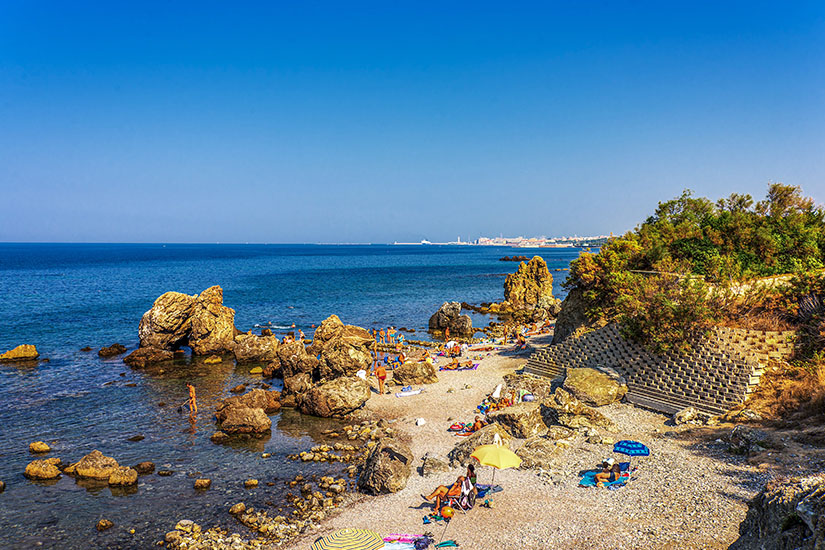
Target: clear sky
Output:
{"points": [[381, 121]]}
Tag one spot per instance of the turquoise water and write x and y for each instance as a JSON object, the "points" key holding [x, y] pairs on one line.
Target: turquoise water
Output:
{"points": [[64, 297]]}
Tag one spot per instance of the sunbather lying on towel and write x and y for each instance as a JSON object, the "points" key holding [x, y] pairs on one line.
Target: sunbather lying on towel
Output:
{"points": [[611, 471], [442, 491]]}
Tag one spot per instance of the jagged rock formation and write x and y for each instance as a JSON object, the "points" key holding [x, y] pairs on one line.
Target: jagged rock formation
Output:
{"points": [[460, 455], [786, 515], [449, 316], [387, 469], [530, 286], [23, 352], [200, 322], [343, 349], [143, 357]]}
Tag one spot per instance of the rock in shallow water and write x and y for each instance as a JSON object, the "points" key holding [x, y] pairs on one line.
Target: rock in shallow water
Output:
{"points": [[46, 468], [145, 468], [96, 465], [23, 352], [104, 524], [111, 351], [38, 447], [123, 475], [202, 484]]}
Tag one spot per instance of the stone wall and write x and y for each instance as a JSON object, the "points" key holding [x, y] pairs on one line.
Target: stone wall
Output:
{"points": [[716, 376]]}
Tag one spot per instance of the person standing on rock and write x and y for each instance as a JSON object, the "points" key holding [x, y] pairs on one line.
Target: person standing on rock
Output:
{"points": [[447, 333]]}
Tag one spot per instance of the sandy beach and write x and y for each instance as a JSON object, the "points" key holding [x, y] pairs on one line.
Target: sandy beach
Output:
{"points": [[690, 493]]}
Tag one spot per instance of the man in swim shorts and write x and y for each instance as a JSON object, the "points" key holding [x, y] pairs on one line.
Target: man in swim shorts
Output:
{"points": [[381, 373]]}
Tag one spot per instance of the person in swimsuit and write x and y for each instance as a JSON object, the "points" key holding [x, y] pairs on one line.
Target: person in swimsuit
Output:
{"points": [[611, 471], [381, 373], [443, 491]]}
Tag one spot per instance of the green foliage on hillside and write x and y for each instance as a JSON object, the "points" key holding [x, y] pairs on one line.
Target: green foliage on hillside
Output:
{"points": [[671, 277]]}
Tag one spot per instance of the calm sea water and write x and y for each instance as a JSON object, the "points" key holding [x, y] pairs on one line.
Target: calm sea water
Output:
{"points": [[63, 297]]}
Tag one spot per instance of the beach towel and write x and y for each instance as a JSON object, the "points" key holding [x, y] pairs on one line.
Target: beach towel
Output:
{"points": [[484, 490], [406, 393], [589, 480], [399, 546], [461, 367]]}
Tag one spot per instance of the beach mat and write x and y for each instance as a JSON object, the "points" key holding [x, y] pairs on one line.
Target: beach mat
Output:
{"points": [[589, 480]]}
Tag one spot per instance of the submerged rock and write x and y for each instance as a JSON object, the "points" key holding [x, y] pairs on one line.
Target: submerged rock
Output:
{"points": [[23, 352], [387, 469], [145, 468], [335, 397], [104, 524], [111, 351], [449, 316], [143, 357]]}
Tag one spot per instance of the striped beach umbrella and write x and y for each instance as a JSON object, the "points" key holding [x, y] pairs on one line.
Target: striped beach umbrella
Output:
{"points": [[631, 448], [350, 539]]}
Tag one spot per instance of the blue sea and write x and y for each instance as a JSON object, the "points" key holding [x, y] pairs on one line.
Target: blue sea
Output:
{"points": [[62, 297]]}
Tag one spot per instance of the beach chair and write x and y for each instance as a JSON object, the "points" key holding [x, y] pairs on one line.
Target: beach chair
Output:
{"points": [[466, 500]]}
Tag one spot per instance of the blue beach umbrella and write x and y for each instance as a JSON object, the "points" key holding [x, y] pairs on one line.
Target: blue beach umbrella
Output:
{"points": [[631, 448]]}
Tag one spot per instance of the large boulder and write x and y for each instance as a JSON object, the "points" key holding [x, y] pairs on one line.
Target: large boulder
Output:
{"points": [[250, 348], [255, 399], [522, 420], [45, 468], [594, 387], [530, 286], [335, 397], [387, 469], [201, 322], [564, 409], [143, 357], [294, 359], [538, 452], [213, 324], [23, 352], [786, 515], [449, 316], [245, 420], [342, 349], [460, 454], [95, 465], [414, 372], [167, 324]]}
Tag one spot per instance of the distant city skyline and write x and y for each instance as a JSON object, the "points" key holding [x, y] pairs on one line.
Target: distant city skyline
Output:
{"points": [[383, 122]]}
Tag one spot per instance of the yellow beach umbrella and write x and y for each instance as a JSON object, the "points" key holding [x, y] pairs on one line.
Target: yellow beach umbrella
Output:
{"points": [[498, 456], [350, 539]]}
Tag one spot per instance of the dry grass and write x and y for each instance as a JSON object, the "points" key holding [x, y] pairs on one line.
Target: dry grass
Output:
{"points": [[791, 393], [763, 320]]}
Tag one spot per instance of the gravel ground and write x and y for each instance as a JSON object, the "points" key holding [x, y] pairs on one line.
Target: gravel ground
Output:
{"points": [[690, 493]]}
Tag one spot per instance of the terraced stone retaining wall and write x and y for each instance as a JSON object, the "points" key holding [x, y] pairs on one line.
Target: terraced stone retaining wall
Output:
{"points": [[716, 376]]}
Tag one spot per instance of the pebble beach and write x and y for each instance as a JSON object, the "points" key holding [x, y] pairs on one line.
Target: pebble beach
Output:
{"points": [[689, 493]]}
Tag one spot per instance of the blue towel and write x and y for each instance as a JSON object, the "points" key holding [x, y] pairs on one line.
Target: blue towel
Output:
{"points": [[483, 490], [589, 480]]}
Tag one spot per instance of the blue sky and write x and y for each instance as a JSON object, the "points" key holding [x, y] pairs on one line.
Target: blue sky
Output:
{"points": [[383, 121]]}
